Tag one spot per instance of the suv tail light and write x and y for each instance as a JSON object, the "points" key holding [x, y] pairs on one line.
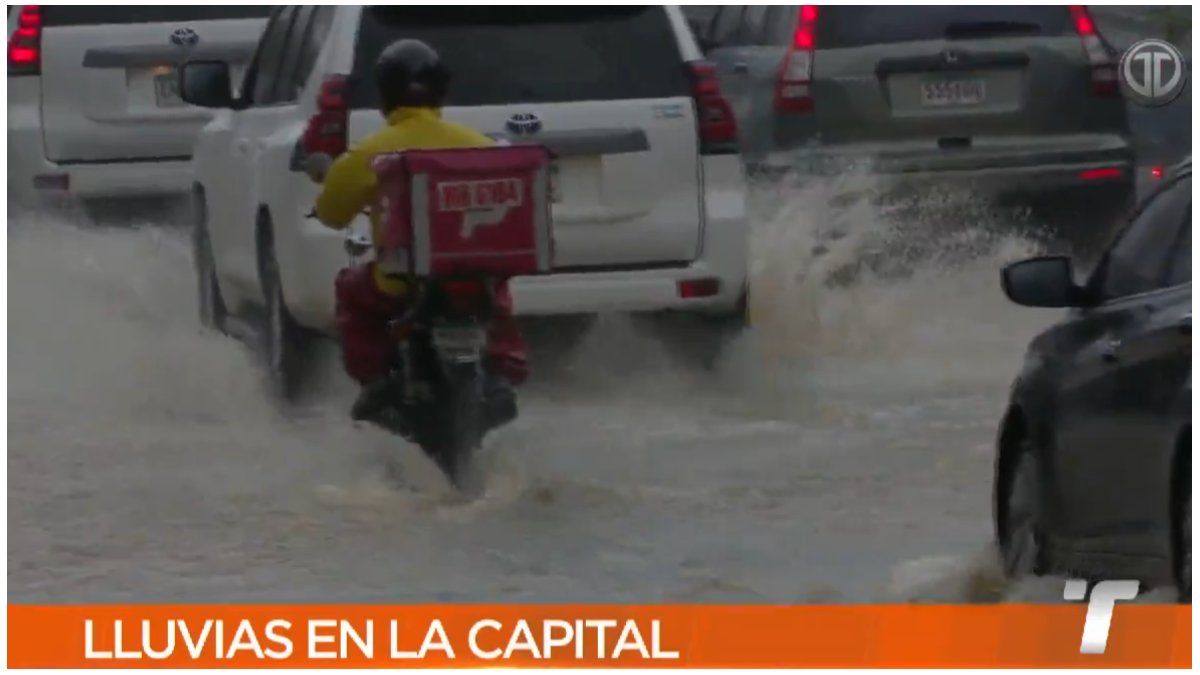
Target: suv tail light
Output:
{"points": [[1104, 71], [793, 89], [714, 115], [25, 45], [1102, 173], [698, 288], [327, 128]]}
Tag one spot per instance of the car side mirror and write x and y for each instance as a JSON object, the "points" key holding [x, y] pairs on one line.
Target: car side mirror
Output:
{"points": [[1042, 282], [206, 84]]}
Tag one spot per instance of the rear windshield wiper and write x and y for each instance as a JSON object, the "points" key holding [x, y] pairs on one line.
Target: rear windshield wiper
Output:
{"points": [[976, 29]]}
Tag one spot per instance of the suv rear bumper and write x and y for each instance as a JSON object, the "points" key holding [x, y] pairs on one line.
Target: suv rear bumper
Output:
{"points": [[1035, 180], [625, 291], [1007, 163], [1080, 187]]}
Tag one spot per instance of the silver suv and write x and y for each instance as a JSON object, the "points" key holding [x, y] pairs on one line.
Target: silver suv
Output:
{"points": [[1019, 99], [94, 111]]}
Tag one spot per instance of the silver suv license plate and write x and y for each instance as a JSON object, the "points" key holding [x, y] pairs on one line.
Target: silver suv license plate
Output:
{"points": [[166, 91]]}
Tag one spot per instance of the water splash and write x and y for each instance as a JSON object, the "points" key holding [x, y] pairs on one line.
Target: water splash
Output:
{"points": [[848, 430]]}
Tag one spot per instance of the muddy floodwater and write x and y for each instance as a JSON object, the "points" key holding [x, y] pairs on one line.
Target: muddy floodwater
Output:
{"points": [[842, 452]]}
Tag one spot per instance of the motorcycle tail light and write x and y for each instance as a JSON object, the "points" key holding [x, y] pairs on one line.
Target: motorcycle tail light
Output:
{"points": [[466, 296]]}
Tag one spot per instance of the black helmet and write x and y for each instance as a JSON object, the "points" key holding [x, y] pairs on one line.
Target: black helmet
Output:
{"points": [[410, 73]]}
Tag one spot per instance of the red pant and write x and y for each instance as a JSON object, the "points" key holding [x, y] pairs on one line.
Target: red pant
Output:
{"points": [[363, 312]]}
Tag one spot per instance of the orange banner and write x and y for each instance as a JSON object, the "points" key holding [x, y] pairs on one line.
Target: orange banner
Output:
{"points": [[342, 636]]}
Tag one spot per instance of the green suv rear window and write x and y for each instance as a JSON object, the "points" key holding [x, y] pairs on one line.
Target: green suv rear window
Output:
{"points": [[841, 26]]}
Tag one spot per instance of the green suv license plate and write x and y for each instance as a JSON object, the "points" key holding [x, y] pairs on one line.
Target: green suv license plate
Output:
{"points": [[952, 93]]}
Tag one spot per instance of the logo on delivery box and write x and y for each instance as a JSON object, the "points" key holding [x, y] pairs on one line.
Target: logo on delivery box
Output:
{"points": [[482, 202]]}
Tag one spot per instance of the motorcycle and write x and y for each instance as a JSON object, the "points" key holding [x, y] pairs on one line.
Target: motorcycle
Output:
{"points": [[439, 394]]}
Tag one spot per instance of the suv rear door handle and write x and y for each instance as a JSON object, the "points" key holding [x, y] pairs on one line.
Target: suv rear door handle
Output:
{"points": [[741, 68]]}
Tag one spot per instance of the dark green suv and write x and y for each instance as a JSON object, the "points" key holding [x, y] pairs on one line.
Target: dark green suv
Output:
{"points": [[1014, 99]]}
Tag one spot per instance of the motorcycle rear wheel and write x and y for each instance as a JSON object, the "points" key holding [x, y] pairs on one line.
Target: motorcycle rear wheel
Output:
{"points": [[456, 428]]}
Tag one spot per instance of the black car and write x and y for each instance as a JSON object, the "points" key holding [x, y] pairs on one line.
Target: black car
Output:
{"points": [[1093, 467]]}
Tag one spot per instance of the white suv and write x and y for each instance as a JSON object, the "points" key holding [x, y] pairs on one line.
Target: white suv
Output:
{"points": [[650, 212], [93, 101]]}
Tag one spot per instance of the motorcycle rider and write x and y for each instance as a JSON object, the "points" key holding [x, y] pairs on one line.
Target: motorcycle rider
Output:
{"points": [[412, 82]]}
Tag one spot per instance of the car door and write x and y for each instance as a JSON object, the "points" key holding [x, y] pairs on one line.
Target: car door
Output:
{"points": [[1123, 368], [1152, 363], [266, 107], [284, 190]]}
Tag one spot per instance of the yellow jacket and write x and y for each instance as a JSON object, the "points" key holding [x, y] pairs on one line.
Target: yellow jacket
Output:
{"points": [[349, 186]]}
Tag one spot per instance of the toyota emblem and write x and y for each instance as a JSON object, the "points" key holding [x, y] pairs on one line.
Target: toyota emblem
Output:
{"points": [[950, 56], [184, 37], [524, 123]]}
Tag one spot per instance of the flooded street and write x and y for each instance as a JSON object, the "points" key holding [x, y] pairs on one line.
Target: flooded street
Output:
{"points": [[842, 452]]}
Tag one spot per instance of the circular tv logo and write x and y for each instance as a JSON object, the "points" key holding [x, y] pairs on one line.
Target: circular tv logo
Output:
{"points": [[1152, 73]]}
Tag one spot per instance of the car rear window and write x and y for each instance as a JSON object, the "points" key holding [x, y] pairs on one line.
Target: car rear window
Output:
{"points": [[82, 15], [499, 55], [841, 26]]}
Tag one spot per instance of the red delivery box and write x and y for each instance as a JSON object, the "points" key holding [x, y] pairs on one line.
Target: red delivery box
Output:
{"points": [[468, 211]]}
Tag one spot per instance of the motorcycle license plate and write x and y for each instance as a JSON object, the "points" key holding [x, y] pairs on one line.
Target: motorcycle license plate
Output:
{"points": [[459, 341]]}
